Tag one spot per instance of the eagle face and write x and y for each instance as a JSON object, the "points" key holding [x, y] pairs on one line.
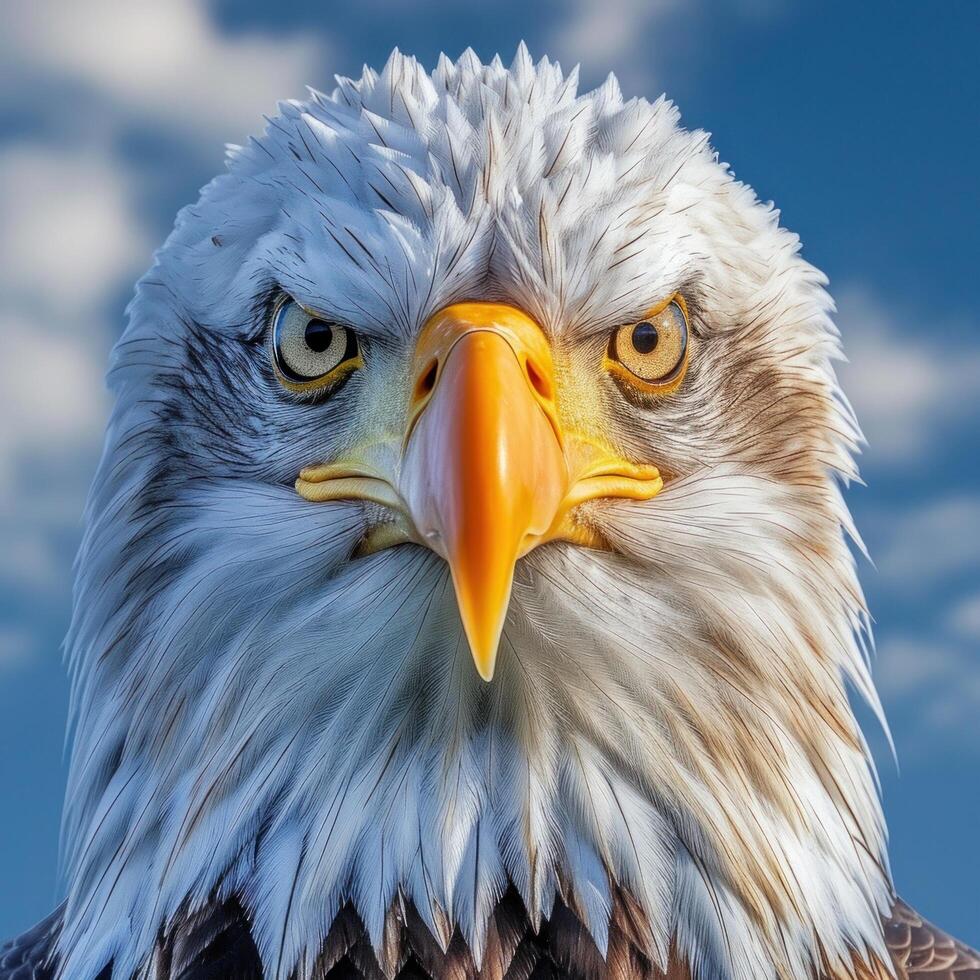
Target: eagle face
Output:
{"points": [[469, 520]]}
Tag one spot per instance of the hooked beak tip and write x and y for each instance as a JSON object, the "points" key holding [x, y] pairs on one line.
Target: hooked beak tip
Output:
{"points": [[486, 472], [485, 666]]}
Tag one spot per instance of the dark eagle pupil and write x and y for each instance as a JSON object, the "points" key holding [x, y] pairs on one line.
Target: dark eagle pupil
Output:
{"points": [[318, 335], [644, 337]]}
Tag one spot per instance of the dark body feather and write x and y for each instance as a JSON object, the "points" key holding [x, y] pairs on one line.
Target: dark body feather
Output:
{"points": [[216, 944]]}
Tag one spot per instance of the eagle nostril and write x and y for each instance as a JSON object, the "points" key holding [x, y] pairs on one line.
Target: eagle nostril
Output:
{"points": [[539, 381], [426, 381]]}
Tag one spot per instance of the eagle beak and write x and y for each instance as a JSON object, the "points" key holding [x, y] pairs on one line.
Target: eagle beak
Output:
{"points": [[487, 472], [484, 472]]}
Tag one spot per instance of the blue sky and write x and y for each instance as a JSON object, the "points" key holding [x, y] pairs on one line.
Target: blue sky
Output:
{"points": [[859, 120]]}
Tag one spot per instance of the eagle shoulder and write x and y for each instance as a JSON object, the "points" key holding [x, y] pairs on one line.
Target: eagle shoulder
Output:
{"points": [[921, 951], [212, 944], [27, 957], [215, 943]]}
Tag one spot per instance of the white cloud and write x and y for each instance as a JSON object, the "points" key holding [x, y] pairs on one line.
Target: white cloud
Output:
{"points": [[914, 387], [16, 645], [933, 687], [927, 544], [612, 32], [964, 619], [641, 40], [70, 233], [50, 387], [907, 666], [70, 240], [164, 61], [909, 383]]}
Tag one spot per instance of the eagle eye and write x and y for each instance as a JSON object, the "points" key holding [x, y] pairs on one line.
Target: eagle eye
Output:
{"points": [[309, 352], [652, 353]]}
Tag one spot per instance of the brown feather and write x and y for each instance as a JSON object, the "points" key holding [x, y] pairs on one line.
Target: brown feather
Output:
{"points": [[215, 943], [923, 952]]}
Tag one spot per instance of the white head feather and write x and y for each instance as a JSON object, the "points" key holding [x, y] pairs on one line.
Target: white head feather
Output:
{"points": [[256, 713]]}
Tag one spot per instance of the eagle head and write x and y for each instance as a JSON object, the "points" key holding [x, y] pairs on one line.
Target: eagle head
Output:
{"points": [[469, 522]]}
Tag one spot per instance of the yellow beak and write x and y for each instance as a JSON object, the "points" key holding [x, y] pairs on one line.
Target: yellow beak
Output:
{"points": [[486, 474]]}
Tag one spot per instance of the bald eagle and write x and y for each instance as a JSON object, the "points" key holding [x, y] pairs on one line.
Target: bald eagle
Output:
{"points": [[465, 589]]}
